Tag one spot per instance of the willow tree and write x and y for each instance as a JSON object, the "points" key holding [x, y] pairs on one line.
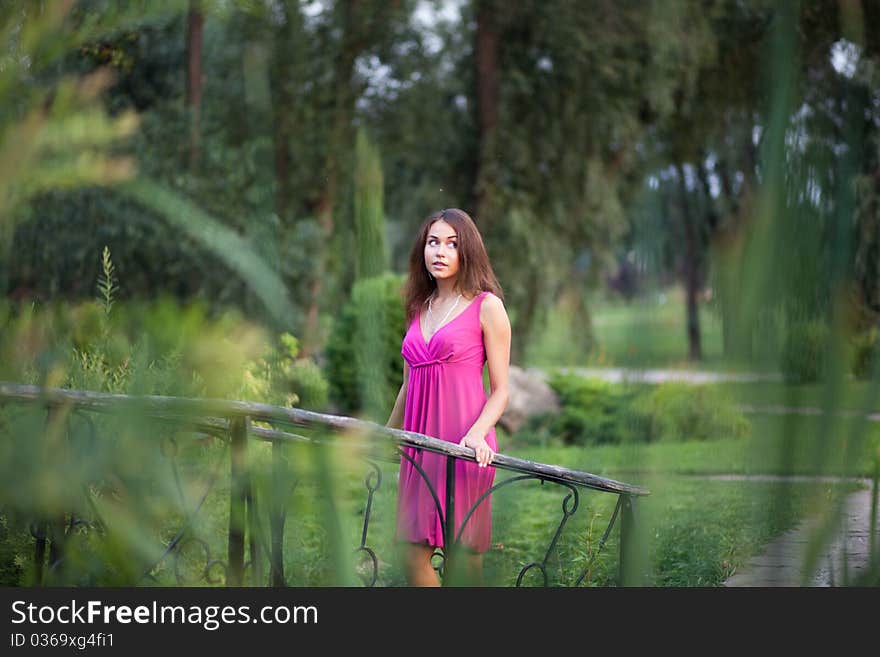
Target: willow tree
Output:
{"points": [[579, 88]]}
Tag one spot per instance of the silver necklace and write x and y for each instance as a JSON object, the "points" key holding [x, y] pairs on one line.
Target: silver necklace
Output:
{"points": [[431, 313]]}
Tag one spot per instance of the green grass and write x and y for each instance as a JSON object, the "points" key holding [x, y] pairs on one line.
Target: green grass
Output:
{"points": [[640, 334], [814, 449]]}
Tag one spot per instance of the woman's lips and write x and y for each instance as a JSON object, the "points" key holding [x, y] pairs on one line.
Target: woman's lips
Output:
{"points": [[439, 265]]}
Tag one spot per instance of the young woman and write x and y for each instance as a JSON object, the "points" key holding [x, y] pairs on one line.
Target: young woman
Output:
{"points": [[457, 323]]}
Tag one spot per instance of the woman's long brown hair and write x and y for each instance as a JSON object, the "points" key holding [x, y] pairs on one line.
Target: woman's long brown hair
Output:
{"points": [[475, 272]]}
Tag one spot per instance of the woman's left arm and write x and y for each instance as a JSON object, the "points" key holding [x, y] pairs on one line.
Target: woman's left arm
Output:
{"points": [[496, 339]]}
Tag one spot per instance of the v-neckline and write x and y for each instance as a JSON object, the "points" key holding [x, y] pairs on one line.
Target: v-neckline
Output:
{"points": [[427, 342]]}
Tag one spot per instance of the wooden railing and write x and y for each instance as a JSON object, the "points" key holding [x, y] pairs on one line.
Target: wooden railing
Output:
{"points": [[234, 421]]}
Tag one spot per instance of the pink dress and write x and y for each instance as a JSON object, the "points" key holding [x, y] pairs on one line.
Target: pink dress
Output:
{"points": [[444, 397]]}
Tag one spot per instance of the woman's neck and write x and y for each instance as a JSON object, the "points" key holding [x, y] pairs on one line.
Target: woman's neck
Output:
{"points": [[446, 290]]}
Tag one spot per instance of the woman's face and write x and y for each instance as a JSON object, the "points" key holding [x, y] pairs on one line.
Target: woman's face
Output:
{"points": [[441, 251]]}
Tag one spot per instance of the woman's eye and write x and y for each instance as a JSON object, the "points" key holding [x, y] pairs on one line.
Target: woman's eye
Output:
{"points": [[453, 245]]}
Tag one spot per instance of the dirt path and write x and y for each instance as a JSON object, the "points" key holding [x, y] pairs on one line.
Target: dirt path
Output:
{"points": [[848, 555], [620, 374], [845, 560]]}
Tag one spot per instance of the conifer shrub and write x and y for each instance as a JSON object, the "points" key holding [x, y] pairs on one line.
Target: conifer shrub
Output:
{"points": [[363, 361]]}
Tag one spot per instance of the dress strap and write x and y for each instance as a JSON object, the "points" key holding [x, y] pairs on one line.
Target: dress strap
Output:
{"points": [[478, 301]]}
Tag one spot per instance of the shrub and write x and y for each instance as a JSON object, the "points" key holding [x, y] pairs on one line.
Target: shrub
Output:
{"points": [[803, 352], [279, 377], [683, 411], [591, 411], [364, 365], [864, 353], [153, 348], [594, 412]]}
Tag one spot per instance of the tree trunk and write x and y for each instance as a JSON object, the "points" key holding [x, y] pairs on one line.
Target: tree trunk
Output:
{"points": [[690, 269], [726, 242], [486, 59], [281, 79], [194, 80]]}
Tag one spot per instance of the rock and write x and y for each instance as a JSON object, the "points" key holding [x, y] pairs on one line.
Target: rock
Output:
{"points": [[529, 395]]}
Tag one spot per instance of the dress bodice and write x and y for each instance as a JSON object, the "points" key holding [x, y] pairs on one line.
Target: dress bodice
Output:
{"points": [[457, 342]]}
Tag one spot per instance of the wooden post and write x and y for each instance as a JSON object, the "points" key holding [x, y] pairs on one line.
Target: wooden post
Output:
{"points": [[39, 551], [253, 538], [277, 506], [237, 499], [57, 537], [56, 459]]}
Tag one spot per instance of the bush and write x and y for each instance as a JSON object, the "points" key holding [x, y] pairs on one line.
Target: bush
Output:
{"points": [[279, 377], [364, 365], [595, 412], [803, 353], [864, 353], [153, 348], [591, 412], [683, 411]]}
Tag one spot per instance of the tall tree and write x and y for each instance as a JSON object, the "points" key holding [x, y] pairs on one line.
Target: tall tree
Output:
{"points": [[360, 24], [706, 139], [572, 88], [288, 50]]}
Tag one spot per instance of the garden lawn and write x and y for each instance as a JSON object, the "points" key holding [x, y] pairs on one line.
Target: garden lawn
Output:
{"points": [[777, 445], [645, 333]]}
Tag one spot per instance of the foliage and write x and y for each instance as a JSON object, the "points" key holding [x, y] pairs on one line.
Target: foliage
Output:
{"points": [[369, 213], [130, 497], [682, 411], [374, 300], [592, 412], [629, 94], [280, 378], [159, 347], [54, 131], [596, 412]]}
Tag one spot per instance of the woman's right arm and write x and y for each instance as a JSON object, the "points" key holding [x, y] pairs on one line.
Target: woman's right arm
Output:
{"points": [[395, 420]]}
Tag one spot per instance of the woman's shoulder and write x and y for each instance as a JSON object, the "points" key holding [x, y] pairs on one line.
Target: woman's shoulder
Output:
{"points": [[491, 307]]}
